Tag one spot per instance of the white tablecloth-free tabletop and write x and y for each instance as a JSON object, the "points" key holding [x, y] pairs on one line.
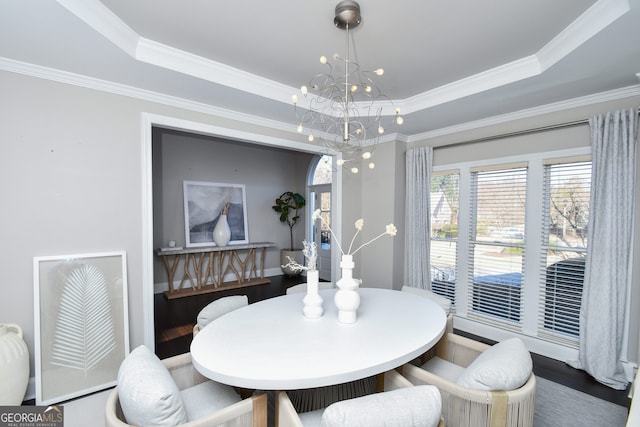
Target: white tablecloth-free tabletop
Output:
{"points": [[270, 345]]}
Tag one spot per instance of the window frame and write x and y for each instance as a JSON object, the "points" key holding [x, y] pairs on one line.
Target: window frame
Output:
{"points": [[532, 279]]}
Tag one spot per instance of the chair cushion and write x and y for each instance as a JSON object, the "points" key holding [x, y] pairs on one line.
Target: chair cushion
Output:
{"points": [[206, 398], [219, 307], [504, 366], [411, 406], [443, 302], [147, 393], [311, 418]]}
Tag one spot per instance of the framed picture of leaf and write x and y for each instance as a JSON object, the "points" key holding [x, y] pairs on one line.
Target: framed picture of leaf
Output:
{"points": [[81, 323]]}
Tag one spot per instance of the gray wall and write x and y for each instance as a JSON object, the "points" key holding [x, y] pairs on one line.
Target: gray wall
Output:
{"points": [[71, 168], [71, 173]]}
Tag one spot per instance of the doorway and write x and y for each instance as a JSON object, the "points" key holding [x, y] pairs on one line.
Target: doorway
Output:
{"points": [[320, 198], [149, 121]]}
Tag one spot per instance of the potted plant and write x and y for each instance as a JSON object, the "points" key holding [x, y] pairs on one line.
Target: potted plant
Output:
{"points": [[287, 207]]}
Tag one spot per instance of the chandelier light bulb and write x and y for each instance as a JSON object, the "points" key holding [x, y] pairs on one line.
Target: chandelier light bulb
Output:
{"points": [[359, 131], [372, 165], [399, 120], [380, 129], [294, 99], [310, 137], [304, 90], [379, 72], [340, 162], [367, 88], [300, 128], [354, 88], [366, 155], [354, 170], [336, 57], [323, 59]]}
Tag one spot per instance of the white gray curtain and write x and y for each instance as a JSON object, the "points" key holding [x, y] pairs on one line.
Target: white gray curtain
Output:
{"points": [[419, 163], [608, 268]]}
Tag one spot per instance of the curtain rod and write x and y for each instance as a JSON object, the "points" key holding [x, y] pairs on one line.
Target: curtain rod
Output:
{"points": [[521, 132]]}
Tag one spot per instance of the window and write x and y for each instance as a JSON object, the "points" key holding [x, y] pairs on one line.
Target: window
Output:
{"points": [[566, 203], [497, 243], [322, 171], [444, 233], [509, 239]]}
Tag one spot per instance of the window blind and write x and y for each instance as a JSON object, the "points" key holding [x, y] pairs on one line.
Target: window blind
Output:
{"points": [[444, 193], [496, 244], [566, 205]]}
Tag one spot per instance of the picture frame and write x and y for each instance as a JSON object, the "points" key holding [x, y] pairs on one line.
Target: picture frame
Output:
{"points": [[204, 203], [81, 323]]}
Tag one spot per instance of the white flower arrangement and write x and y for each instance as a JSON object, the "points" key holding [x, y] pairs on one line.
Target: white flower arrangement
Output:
{"points": [[390, 229], [310, 252]]}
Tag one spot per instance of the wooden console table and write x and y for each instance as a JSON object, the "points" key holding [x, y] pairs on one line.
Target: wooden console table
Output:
{"points": [[206, 267]]}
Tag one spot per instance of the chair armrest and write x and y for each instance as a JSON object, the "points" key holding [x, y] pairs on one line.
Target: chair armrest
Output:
{"points": [[393, 380], [459, 350], [418, 376], [183, 372], [251, 411], [113, 413], [485, 407]]}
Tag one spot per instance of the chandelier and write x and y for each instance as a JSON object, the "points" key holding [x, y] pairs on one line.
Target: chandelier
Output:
{"points": [[344, 106]]}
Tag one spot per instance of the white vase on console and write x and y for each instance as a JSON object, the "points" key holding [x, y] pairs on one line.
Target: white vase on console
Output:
{"points": [[222, 232], [347, 298], [312, 300]]}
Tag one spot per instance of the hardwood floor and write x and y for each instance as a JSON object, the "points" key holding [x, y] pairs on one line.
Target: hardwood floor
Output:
{"points": [[174, 320]]}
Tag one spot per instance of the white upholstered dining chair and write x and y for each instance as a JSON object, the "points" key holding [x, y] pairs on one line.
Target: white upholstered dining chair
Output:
{"points": [[217, 308], [480, 385], [400, 404], [151, 392]]}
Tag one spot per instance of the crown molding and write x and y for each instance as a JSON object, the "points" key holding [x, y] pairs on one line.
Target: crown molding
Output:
{"points": [[598, 17], [490, 79], [100, 18], [569, 104], [65, 77], [105, 22], [74, 79], [178, 60]]}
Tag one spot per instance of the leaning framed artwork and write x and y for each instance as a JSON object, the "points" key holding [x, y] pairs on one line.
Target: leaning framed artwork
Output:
{"points": [[81, 323], [204, 202]]}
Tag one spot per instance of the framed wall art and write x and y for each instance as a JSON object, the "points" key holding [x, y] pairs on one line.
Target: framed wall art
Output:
{"points": [[81, 323], [204, 202]]}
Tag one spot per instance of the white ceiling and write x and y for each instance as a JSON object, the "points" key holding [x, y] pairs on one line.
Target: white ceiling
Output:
{"points": [[446, 63]]}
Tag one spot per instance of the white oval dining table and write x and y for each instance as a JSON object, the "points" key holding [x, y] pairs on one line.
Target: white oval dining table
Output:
{"points": [[270, 345]]}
